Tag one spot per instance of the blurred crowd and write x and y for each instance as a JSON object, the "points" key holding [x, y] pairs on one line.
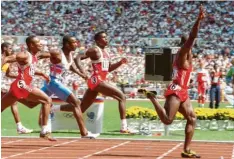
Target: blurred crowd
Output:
{"points": [[126, 24]]}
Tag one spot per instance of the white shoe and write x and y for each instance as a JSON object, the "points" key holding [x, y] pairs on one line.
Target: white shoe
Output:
{"points": [[24, 130], [90, 136]]}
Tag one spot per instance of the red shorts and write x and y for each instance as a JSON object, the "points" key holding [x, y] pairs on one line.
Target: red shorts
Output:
{"points": [[19, 89], [201, 89], [181, 93], [94, 81]]}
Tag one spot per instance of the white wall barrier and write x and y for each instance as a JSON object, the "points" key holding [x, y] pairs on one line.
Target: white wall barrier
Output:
{"points": [[93, 117]]}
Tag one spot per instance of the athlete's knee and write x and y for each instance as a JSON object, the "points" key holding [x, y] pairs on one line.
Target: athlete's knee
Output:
{"points": [[122, 97], [47, 101], [192, 119], [167, 121]]}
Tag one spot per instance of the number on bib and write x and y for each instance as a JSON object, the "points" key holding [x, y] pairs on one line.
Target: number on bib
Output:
{"points": [[105, 65], [21, 84], [31, 70]]}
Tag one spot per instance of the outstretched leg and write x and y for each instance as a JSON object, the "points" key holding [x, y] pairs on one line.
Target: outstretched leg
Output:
{"points": [[168, 112]]}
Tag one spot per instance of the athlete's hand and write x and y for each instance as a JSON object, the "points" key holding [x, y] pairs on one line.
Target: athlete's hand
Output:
{"points": [[202, 14], [47, 78], [124, 61]]}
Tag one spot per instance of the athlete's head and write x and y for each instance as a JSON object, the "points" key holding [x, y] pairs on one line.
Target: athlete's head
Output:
{"points": [[22, 58], [202, 63], [6, 48], [55, 56], [183, 39], [69, 42], [101, 39], [34, 44]]}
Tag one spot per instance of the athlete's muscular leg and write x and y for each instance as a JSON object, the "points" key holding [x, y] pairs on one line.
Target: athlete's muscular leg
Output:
{"points": [[15, 112], [111, 91], [77, 113], [187, 110], [7, 100], [168, 112], [39, 96], [88, 99]]}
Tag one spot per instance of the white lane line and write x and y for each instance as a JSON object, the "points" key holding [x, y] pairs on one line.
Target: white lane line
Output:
{"points": [[23, 153], [107, 149], [12, 142], [169, 151]]}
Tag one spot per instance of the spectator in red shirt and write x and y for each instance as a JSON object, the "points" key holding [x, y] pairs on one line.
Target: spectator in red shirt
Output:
{"points": [[215, 87]]}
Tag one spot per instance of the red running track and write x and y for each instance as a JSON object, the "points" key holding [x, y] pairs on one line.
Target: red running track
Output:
{"points": [[35, 148]]}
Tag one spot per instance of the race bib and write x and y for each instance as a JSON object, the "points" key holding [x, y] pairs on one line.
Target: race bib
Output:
{"points": [[31, 70], [21, 84], [174, 87], [105, 65]]}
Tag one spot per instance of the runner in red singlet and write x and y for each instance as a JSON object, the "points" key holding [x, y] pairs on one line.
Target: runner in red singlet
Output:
{"points": [[101, 64], [177, 98], [6, 49], [21, 89]]}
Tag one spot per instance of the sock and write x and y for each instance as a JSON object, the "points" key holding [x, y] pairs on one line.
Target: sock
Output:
{"points": [[19, 125], [124, 124], [44, 129]]}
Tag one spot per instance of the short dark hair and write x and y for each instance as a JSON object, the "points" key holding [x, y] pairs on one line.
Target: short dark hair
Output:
{"points": [[97, 35], [5, 44], [29, 39], [66, 39]]}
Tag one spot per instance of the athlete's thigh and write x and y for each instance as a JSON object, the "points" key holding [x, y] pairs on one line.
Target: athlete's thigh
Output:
{"points": [[186, 109], [29, 104], [60, 90], [172, 105], [7, 100], [36, 95], [109, 90], [88, 99]]}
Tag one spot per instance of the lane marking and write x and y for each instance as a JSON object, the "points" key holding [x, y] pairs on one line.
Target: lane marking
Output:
{"points": [[28, 152], [169, 151], [107, 149]]}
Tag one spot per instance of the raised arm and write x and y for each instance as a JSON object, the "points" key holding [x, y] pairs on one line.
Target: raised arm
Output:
{"points": [[186, 48]]}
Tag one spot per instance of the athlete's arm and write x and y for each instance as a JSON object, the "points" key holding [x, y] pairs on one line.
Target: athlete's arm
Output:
{"points": [[10, 74], [39, 73], [75, 70], [186, 48], [43, 55], [114, 66], [9, 59], [90, 53]]}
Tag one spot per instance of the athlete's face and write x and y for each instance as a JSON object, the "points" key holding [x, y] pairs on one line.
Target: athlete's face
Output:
{"points": [[8, 50], [102, 40], [36, 44], [72, 44]]}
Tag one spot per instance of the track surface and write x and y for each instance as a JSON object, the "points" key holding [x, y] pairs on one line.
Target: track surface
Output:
{"points": [[35, 148]]}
